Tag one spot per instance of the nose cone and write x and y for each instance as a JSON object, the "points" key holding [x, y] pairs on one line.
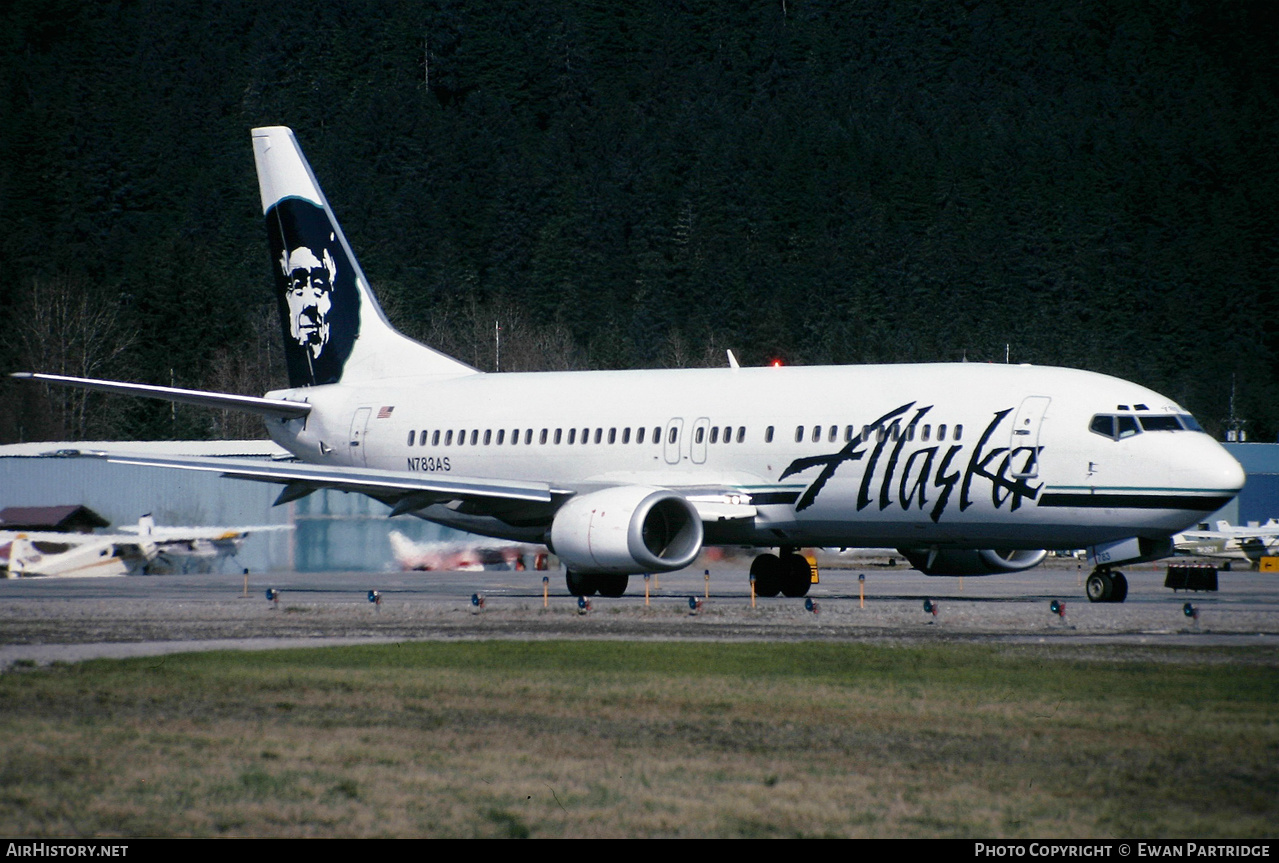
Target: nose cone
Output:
{"points": [[1229, 470], [1212, 469]]}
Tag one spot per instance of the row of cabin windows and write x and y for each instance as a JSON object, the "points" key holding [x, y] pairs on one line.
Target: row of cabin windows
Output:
{"points": [[447, 437], [881, 433], [727, 434]]}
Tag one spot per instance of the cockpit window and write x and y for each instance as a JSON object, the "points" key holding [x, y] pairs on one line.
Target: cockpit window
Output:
{"points": [[1119, 426]]}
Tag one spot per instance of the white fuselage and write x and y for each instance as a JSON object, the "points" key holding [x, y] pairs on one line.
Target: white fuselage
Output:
{"points": [[944, 455]]}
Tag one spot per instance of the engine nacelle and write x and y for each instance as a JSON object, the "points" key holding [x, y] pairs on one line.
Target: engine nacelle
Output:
{"points": [[629, 529], [974, 561]]}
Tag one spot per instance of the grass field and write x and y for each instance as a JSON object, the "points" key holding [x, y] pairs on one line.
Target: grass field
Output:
{"points": [[609, 739]]}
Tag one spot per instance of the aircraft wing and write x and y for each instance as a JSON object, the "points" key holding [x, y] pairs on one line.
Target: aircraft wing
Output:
{"points": [[407, 491], [167, 533]]}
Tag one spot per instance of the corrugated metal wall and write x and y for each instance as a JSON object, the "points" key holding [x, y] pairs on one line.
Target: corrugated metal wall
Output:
{"points": [[334, 531]]}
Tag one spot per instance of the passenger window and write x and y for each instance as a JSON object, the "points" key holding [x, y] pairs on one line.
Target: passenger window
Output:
{"points": [[488, 436], [941, 432], [448, 438], [657, 434], [557, 436], [674, 433], [475, 436], [959, 431], [515, 436], [421, 441], [501, 436], [412, 437], [572, 436], [541, 439], [626, 435], [741, 433], [639, 434], [714, 434], [799, 434], [435, 438], [699, 434], [612, 435], [926, 433], [599, 433], [834, 431], [817, 434], [586, 436], [768, 435]]}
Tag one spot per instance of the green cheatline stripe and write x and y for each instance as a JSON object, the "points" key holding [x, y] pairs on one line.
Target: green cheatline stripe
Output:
{"points": [[1138, 488], [1195, 502]]}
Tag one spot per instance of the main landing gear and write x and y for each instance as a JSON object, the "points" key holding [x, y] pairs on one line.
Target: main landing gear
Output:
{"points": [[787, 574], [1106, 586], [588, 584]]}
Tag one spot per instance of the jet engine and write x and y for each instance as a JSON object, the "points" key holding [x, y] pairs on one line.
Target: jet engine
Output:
{"points": [[974, 561], [628, 529]]}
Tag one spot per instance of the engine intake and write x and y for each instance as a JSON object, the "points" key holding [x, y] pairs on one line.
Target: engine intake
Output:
{"points": [[628, 529], [972, 561]]}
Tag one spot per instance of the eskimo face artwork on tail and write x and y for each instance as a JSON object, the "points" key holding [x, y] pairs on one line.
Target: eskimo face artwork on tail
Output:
{"points": [[315, 284]]}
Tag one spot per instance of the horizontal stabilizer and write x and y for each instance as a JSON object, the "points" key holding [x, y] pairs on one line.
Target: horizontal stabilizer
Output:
{"points": [[220, 401]]}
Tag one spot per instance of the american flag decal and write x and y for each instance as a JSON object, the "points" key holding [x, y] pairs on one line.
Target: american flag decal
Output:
{"points": [[385, 412]]}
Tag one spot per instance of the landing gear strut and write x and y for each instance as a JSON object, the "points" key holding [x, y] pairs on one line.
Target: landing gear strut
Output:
{"points": [[1106, 586], [787, 574]]}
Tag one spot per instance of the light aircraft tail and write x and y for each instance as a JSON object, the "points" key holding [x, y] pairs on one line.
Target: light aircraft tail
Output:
{"points": [[334, 329]]}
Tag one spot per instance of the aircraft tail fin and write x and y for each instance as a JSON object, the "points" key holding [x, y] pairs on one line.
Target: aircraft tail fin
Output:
{"points": [[334, 329]]}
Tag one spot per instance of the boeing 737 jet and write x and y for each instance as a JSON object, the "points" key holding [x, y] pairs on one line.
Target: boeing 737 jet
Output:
{"points": [[969, 469]]}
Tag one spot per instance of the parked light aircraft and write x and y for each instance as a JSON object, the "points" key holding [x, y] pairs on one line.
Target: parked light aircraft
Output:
{"points": [[1251, 542], [464, 554], [143, 548], [968, 469]]}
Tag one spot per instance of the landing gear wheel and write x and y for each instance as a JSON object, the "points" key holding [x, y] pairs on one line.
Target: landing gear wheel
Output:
{"points": [[612, 585], [767, 572], [580, 584], [1119, 590], [797, 576], [1099, 586]]}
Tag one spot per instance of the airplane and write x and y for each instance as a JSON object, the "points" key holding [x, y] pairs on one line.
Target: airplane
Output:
{"points": [[141, 549], [1250, 543], [462, 555], [968, 469]]}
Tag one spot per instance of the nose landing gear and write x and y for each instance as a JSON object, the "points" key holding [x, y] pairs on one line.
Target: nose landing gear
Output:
{"points": [[1106, 586]]}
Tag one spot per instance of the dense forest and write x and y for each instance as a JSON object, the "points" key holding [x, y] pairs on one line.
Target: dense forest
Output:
{"points": [[641, 184]]}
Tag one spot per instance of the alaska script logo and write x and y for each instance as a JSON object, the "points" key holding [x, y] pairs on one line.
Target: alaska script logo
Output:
{"points": [[911, 481]]}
